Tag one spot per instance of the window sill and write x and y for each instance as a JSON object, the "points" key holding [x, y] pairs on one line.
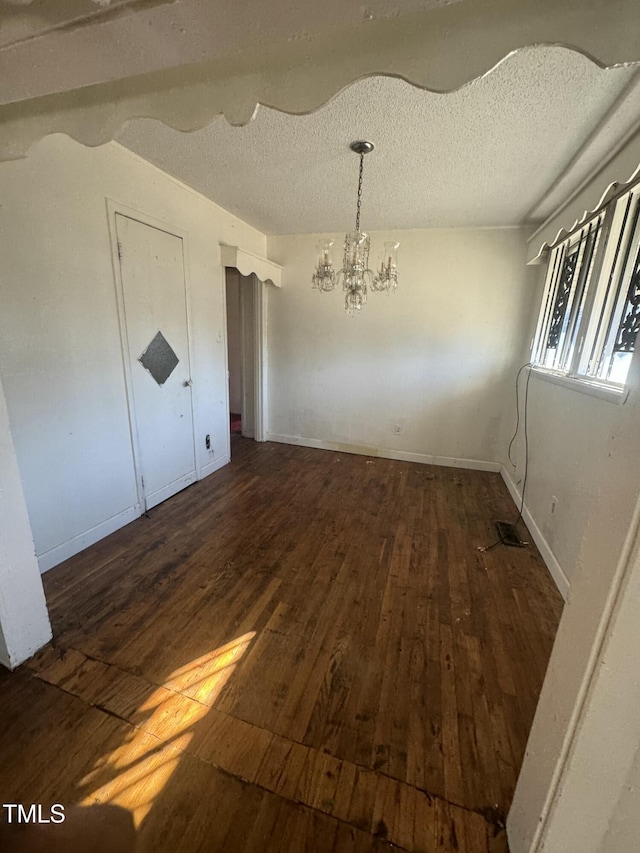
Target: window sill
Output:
{"points": [[610, 393]]}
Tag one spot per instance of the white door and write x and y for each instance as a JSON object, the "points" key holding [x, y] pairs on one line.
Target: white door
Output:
{"points": [[157, 347]]}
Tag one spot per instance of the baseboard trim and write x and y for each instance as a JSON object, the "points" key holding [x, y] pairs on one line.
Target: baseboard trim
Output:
{"points": [[166, 492], [551, 562], [214, 466], [383, 453], [48, 559]]}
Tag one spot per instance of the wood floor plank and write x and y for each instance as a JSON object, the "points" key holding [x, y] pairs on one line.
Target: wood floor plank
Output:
{"points": [[305, 651]]}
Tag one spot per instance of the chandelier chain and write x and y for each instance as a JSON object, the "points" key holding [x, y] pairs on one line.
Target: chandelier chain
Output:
{"points": [[359, 192]]}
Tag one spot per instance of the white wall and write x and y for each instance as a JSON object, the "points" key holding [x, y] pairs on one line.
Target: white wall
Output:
{"points": [[60, 356], [585, 732], [597, 809], [623, 831], [24, 622], [434, 358], [570, 433], [583, 450]]}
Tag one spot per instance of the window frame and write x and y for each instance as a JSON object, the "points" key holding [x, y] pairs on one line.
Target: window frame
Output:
{"points": [[627, 262], [597, 301]]}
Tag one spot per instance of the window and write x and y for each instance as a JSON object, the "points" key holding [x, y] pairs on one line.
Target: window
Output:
{"points": [[590, 313]]}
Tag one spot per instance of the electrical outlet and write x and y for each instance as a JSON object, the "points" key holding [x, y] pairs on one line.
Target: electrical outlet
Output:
{"points": [[398, 429], [554, 504], [207, 442]]}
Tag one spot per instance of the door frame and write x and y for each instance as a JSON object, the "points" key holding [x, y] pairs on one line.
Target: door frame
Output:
{"points": [[113, 208], [260, 358], [259, 350]]}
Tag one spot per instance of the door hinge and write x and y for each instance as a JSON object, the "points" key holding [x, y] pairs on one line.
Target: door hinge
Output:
{"points": [[142, 481], [119, 250]]}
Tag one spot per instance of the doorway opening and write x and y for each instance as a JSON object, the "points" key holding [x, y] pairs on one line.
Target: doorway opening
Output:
{"points": [[242, 351]]}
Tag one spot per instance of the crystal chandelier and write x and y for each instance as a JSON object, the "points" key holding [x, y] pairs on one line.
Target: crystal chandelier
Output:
{"points": [[355, 274]]}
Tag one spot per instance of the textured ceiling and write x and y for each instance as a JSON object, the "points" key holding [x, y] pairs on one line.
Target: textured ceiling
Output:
{"points": [[488, 154]]}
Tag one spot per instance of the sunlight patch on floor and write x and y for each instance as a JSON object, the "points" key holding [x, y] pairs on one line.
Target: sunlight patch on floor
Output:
{"points": [[138, 769]]}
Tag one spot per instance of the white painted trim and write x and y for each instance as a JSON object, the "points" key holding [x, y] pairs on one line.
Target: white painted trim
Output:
{"points": [[613, 190], [214, 466], [610, 393], [248, 263], [195, 411], [226, 402], [259, 360], [171, 489], [48, 559], [551, 562], [112, 211], [383, 453], [243, 297], [260, 355], [406, 45]]}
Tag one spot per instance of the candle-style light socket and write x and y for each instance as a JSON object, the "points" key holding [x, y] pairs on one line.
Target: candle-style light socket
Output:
{"points": [[390, 256], [356, 250], [324, 277], [386, 272], [325, 254]]}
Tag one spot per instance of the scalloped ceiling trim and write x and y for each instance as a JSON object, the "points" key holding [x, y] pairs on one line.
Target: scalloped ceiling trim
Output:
{"points": [[248, 263], [440, 50], [613, 190]]}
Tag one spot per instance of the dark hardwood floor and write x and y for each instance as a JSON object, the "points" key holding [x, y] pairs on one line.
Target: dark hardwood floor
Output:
{"points": [[304, 652]]}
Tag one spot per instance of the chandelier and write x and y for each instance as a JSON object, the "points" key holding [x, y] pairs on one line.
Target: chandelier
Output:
{"points": [[355, 274]]}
